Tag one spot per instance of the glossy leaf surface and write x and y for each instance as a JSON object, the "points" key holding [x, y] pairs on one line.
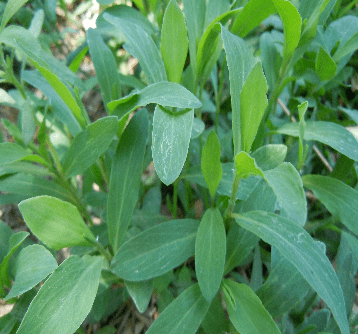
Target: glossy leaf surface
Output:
{"points": [[33, 264], [210, 250], [340, 199], [170, 142], [164, 93], [246, 311], [137, 259], [127, 168], [183, 315], [56, 223], [68, 294], [89, 144], [298, 247]]}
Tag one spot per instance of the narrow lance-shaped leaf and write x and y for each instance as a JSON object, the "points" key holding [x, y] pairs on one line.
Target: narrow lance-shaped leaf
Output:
{"points": [[67, 294], [210, 250], [143, 48], [33, 264], [253, 102], [10, 152], [167, 94], [174, 41], [340, 199], [183, 315], [240, 62], [88, 145], [127, 168], [210, 163], [56, 223], [170, 142], [246, 311], [297, 246], [12, 6], [137, 259]]}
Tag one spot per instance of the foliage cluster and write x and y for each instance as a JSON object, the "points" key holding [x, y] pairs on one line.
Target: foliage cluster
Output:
{"points": [[209, 104]]}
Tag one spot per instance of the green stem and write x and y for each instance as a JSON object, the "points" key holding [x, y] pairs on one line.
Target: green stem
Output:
{"points": [[100, 248], [230, 208], [175, 198], [104, 171]]}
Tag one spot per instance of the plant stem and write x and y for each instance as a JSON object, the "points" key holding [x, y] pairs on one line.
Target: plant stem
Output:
{"points": [[100, 248], [103, 171], [230, 208], [175, 198]]}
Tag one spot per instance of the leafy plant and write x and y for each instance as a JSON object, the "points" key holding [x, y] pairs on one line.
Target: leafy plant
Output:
{"points": [[210, 105]]}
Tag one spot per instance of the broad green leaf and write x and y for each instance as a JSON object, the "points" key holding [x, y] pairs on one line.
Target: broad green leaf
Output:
{"points": [[328, 133], [8, 323], [283, 290], [292, 22], [298, 247], [26, 186], [198, 128], [195, 18], [5, 235], [210, 163], [340, 199], [105, 66], [254, 12], [12, 6], [215, 8], [163, 93], [88, 145], [143, 48], [253, 102], [14, 243], [352, 113], [33, 264], [37, 22], [246, 311], [125, 180], [170, 142], [10, 152], [350, 46], [210, 250], [138, 260], [183, 315], [240, 62], [140, 292], [325, 66], [28, 124], [65, 299], [174, 41], [56, 223], [215, 321], [287, 185], [269, 156], [60, 108], [61, 89], [246, 166]]}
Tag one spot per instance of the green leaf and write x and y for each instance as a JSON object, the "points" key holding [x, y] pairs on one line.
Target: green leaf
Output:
{"points": [[195, 18], [10, 152], [105, 66], [125, 180], [56, 223], [297, 246], [246, 166], [88, 145], [287, 185], [325, 66], [143, 48], [269, 156], [340, 199], [5, 235], [140, 292], [240, 62], [33, 264], [210, 163], [12, 6], [215, 321], [210, 250], [14, 243], [292, 22], [183, 315], [328, 133], [214, 9], [137, 259], [254, 12], [28, 124], [163, 93], [284, 288], [65, 299], [170, 142], [349, 46], [174, 41], [246, 311], [253, 102]]}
